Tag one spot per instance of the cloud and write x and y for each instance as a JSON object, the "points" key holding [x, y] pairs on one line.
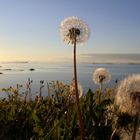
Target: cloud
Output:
{"points": [[109, 58]]}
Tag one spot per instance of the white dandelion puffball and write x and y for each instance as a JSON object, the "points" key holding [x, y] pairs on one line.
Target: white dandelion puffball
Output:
{"points": [[80, 88], [128, 95], [74, 27], [101, 76]]}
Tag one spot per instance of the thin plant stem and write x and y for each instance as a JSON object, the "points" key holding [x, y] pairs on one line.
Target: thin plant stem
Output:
{"points": [[100, 92], [49, 95], [18, 88], [81, 123], [113, 133], [135, 127], [40, 89], [29, 88], [68, 109]]}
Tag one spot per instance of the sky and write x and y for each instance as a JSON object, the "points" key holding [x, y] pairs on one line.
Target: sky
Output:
{"points": [[30, 29]]}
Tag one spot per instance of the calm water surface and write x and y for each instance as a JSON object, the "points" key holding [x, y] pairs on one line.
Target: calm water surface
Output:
{"points": [[14, 73]]}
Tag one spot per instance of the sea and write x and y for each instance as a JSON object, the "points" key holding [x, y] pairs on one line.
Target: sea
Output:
{"points": [[13, 73]]}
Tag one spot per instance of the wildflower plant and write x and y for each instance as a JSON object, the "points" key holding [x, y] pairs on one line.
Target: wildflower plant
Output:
{"points": [[101, 76], [54, 116], [128, 98], [74, 31]]}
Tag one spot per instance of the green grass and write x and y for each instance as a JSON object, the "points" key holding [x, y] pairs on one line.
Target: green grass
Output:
{"points": [[55, 117]]}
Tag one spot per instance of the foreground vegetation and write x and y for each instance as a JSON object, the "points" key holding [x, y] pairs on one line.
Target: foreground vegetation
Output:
{"points": [[55, 117]]}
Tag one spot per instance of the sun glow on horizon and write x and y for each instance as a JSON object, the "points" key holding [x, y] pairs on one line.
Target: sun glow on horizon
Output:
{"points": [[29, 30]]}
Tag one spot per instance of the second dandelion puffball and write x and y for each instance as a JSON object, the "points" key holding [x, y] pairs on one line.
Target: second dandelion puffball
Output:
{"points": [[101, 76]]}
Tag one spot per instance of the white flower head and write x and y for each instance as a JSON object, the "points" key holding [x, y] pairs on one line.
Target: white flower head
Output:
{"points": [[80, 88], [101, 76], [128, 95], [72, 27]]}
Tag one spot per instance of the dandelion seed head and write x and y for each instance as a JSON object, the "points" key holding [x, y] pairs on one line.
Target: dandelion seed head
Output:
{"points": [[71, 24], [101, 76], [80, 88], [128, 95]]}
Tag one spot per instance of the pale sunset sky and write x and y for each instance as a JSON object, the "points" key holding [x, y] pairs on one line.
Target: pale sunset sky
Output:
{"points": [[29, 29]]}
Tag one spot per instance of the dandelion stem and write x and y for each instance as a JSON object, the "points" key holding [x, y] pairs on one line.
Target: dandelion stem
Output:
{"points": [[100, 92], [135, 127], [81, 123]]}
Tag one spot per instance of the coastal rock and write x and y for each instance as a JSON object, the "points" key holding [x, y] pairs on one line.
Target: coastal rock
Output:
{"points": [[31, 69]]}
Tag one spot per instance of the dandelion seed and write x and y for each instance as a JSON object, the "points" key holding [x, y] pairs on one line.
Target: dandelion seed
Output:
{"points": [[80, 89], [101, 76], [128, 95], [128, 99], [74, 26]]}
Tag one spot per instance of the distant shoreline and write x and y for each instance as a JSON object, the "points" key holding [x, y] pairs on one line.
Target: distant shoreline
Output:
{"points": [[111, 63], [15, 62]]}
